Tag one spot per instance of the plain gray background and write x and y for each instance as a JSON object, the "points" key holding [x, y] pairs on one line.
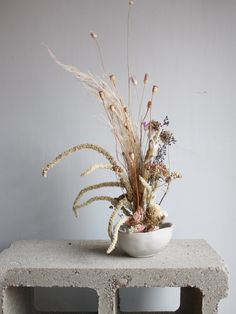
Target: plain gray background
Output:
{"points": [[188, 47]]}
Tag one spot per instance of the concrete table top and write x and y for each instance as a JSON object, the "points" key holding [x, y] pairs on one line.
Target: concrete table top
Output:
{"points": [[183, 263]]}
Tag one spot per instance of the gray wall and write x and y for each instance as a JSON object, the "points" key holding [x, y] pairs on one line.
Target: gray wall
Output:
{"points": [[187, 46]]}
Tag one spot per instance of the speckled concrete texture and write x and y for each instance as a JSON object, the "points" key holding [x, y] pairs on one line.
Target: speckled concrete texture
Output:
{"points": [[190, 264]]}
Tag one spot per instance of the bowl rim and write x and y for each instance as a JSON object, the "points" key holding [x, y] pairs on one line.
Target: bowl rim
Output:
{"points": [[166, 225]]}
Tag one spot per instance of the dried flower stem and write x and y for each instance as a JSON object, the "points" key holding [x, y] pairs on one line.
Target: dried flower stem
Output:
{"points": [[111, 220], [127, 51], [74, 149], [90, 188], [167, 189], [115, 234], [94, 36], [91, 200], [94, 167]]}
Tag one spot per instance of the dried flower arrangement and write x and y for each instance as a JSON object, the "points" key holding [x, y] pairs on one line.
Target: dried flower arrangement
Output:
{"points": [[143, 145]]}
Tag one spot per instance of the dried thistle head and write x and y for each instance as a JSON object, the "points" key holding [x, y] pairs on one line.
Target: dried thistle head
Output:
{"points": [[167, 137]]}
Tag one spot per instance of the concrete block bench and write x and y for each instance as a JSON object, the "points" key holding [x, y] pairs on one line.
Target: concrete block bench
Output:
{"points": [[191, 265]]}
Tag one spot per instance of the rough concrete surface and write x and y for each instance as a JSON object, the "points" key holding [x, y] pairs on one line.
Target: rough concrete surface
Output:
{"points": [[190, 264]]}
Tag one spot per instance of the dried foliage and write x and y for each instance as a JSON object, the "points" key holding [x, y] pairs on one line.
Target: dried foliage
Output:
{"points": [[143, 145]]}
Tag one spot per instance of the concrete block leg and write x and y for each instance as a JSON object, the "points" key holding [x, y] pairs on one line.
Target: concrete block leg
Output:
{"points": [[210, 305], [108, 302], [17, 300], [190, 301]]}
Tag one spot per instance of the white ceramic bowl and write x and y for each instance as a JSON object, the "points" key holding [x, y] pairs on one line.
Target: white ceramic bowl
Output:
{"points": [[145, 244]]}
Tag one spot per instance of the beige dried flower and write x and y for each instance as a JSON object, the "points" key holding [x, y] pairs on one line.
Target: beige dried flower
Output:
{"points": [[113, 79], [134, 81], [149, 104], [155, 88], [145, 80], [176, 175], [101, 95], [132, 156]]}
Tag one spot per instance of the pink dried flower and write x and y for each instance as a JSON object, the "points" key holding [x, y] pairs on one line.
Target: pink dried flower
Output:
{"points": [[140, 228], [137, 216], [145, 125]]}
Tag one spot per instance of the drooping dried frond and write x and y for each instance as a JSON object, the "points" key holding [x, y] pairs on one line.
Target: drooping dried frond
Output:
{"points": [[124, 180], [115, 234], [75, 149], [91, 200], [95, 167], [90, 188], [111, 220], [147, 186], [121, 203]]}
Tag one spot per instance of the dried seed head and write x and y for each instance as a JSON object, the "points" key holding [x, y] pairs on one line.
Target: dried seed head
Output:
{"points": [[145, 78], [131, 2], [131, 155], [134, 81], [125, 109], [113, 78], [149, 104], [112, 108], [176, 175], [93, 35], [155, 89], [117, 169], [126, 126], [101, 95]]}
